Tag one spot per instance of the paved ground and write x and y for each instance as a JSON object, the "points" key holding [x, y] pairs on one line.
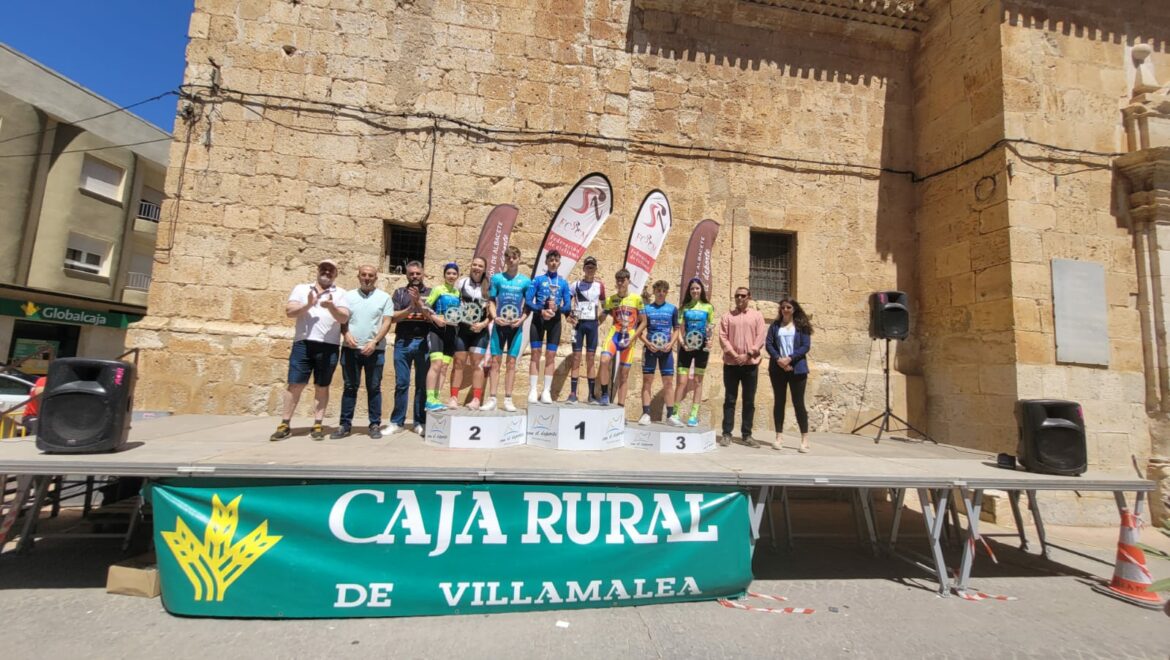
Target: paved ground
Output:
{"points": [[53, 604]]}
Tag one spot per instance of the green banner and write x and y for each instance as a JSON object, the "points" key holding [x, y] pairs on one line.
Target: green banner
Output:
{"points": [[328, 549], [31, 311]]}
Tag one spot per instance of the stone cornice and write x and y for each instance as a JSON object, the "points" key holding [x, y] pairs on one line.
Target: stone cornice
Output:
{"points": [[1148, 173], [898, 14]]}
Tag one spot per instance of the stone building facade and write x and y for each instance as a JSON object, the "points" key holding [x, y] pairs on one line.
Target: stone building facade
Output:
{"points": [[948, 148]]}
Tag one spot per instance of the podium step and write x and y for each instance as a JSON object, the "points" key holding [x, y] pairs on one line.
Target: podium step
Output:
{"points": [[461, 428], [576, 427]]}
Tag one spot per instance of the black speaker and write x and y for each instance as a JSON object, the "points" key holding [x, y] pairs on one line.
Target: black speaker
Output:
{"points": [[1052, 437], [86, 406], [889, 316]]}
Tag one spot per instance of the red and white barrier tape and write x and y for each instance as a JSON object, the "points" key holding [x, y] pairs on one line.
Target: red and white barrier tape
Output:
{"points": [[769, 610], [979, 595], [969, 594]]}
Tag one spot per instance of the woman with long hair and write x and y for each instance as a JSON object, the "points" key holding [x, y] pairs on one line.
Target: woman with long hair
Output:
{"points": [[788, 343], [697, 319], [471, 338]]}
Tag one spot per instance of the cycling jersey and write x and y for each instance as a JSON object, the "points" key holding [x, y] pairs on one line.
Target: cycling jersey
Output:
{"points": [[442, 298], [508, 293], [549, 291], [697, 317], [587, 298], [624, 310], [660, 322]]}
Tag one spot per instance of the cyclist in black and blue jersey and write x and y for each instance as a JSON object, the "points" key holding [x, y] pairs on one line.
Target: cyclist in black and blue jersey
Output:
{"points": [[658, 341]]}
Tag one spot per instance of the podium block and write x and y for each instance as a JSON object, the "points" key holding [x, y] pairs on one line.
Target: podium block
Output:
{"points": [[473, 429], [576, 427], [666, 439]]}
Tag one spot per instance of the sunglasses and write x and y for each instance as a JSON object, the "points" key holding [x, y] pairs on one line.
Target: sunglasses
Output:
{"points": [[741, 295]]}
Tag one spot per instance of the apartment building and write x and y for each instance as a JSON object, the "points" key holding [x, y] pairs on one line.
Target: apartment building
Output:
{"points": [[81, 187]]}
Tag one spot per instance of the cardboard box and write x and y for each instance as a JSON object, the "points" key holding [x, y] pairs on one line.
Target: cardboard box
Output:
{"points": [[137, 576]]}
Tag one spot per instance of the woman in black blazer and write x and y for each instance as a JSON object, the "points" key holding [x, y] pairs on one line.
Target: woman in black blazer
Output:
{"points": [[788, 343]]}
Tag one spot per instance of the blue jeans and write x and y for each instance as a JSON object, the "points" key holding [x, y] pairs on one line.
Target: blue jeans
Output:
{"points": [[353, 363], [408, 353]]}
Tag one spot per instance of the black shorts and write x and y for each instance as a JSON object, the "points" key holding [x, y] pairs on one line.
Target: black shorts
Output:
{"points": [[585, 335], [687, 358], [442, 340], [545, 333], [466, 340]]}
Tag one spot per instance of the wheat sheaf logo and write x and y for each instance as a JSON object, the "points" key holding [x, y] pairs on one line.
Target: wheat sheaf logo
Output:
{"points": [[214, 563]]}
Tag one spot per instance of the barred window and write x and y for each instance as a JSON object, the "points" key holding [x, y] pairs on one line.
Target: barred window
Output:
{"points": [[403, 245], [770, 265]]}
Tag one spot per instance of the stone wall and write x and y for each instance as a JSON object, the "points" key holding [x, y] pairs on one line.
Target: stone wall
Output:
{"points": [[316, 123], [965, 315], [1067, 74], [287, 180]]}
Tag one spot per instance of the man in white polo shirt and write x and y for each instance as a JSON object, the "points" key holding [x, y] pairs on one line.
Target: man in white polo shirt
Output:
{"points": [[363, 350], [319, 309]]}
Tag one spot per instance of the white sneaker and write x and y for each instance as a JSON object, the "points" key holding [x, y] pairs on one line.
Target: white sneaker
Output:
{"points": [[391, 429], [674, 421], [453, 403], [474, 404], [533, 396], [508, 405], [546, 397], [419, 429], [490, 404], [644, 420]]}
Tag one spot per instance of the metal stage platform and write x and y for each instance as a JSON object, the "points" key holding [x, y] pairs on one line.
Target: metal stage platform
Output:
{"points": [[238, 447]]}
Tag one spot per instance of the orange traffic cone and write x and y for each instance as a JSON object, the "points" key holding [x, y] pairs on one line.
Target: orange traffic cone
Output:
{"points": [[1131, 579]]}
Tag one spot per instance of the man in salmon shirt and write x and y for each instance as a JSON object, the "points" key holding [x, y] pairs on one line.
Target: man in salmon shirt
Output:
{"points": [[741, 335]]}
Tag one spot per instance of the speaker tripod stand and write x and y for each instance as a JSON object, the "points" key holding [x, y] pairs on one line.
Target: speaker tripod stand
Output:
{"points": [[882, 420]]}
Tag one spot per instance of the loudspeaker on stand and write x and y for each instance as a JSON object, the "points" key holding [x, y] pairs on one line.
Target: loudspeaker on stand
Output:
{"points": [[889, 315]]}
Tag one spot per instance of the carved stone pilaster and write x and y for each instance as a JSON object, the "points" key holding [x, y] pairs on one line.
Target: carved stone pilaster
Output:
{"points": [[1147, 173]]}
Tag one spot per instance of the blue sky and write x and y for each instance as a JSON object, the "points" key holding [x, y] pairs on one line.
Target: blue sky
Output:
{"points": [[125, 50]]}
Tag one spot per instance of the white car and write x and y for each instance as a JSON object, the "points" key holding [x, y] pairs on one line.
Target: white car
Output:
{"points": [[15, 387]]}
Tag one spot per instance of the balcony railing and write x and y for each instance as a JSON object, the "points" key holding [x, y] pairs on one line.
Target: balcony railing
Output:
{"points": [[138, 281], [148, 210]]}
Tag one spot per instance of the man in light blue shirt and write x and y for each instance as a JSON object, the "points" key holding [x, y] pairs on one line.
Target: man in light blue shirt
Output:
{"points": [[363, 349]]}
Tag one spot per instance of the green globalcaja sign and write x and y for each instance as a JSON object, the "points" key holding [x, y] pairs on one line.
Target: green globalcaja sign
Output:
{"points": [[295, 550], [31, 311]]}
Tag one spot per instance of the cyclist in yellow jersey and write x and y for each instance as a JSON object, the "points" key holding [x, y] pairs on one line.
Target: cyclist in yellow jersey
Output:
{"points": [[625, 309]]}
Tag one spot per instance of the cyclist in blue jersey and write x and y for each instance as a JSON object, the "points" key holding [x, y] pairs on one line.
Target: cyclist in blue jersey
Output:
{"points": [[443, 301], [507, 310], [698, 320], [659, 340], [548, 299]]}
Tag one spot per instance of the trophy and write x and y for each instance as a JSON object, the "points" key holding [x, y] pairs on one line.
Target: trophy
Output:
{"points": [[659, 341], [509, 313], [471, 313], [453, 315], [553, 291], [694, 340]]}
